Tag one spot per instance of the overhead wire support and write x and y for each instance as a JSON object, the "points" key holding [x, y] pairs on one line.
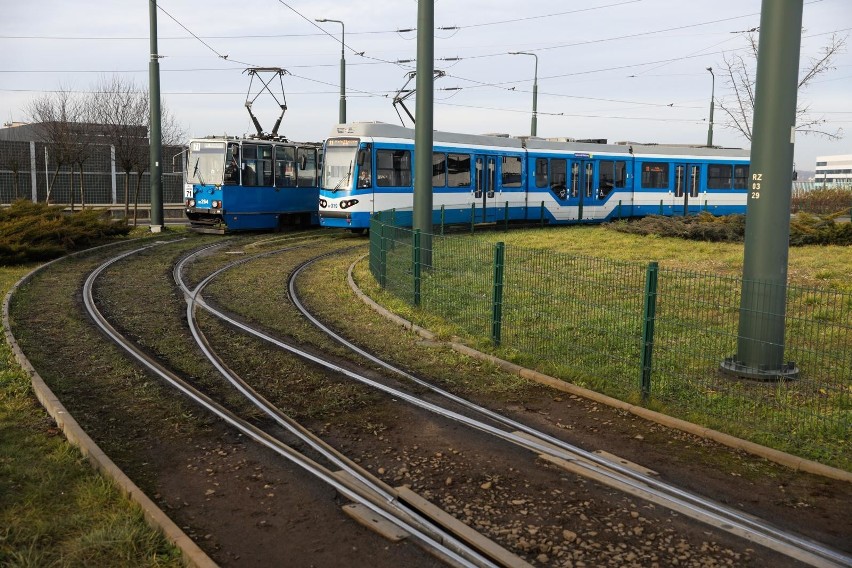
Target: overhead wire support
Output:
{"points": [[400, 98], [275, 72]]}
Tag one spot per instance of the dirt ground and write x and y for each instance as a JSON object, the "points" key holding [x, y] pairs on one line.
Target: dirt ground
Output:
{"points": [[246, 506]]}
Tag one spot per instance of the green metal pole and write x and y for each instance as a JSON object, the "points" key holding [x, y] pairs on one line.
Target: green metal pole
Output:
{"points": [[416, 262], [423, 127], [649, 317], [156, 140], [497, 293], [760, 347]]}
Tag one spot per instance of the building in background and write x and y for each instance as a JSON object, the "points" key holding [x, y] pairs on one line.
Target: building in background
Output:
{"points": [[833, 170]]}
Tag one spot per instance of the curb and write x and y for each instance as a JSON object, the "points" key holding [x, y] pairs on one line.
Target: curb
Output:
{"points": [[782, 458], [155, 517]]}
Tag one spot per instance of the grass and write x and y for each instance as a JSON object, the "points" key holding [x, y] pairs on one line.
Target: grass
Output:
{"points": [[54, 509], [572, 307]]}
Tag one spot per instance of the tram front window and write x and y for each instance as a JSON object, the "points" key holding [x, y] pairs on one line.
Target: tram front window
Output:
{"points": [[339, 163], [206, 163]]}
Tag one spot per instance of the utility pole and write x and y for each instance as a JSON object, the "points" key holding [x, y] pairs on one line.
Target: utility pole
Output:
{"points": [[712, 100], [342, 117], [155, 136], [423, 136], [534, 120], [760, 347]]}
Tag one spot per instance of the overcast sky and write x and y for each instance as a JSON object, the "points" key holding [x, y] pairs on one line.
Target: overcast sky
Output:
{"points": [[615, 69]]}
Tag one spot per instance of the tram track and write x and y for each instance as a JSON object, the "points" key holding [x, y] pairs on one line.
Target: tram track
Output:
{"points": [[352, 425], [367, 491], [571, 457]]}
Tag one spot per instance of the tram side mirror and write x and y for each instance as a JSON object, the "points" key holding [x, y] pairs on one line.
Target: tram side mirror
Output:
{"points": [[362, 157]]}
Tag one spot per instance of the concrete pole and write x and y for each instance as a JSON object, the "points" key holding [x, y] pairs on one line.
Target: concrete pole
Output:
{"points": [[342, 113], [156, 141], [712, 101], [760, 347], [423, 125]]}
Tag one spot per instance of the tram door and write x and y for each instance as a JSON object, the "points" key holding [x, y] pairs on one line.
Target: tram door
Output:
{"points": [[582, 185], [484, 188], [687, 189]]}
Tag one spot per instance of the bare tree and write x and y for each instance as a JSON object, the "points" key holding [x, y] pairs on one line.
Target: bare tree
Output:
{"points": [[57, 115], [123, 111], [121, 107], [739, 73]]}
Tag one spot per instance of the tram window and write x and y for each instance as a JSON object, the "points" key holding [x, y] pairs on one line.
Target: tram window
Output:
{"points": [[439, 169], [655, 175], [511, 172], [285, 166], [719, 176], [621, 174], [232, 165], [393, 168], [740, 177], [458, 170], [611, 174], [264, 165], [307, 171], [249, 165], [541, 172], [559, 177]]}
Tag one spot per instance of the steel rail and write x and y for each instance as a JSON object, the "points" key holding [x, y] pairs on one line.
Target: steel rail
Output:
{"points": [[375, 485], [625, 479], [438, 548]]}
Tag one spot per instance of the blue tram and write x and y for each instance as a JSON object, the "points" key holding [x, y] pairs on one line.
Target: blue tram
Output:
{"points": [[239, 184], [369, 167]]}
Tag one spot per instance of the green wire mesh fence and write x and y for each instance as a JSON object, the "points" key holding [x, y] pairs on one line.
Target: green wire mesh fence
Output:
{"points": [[636, 332]]}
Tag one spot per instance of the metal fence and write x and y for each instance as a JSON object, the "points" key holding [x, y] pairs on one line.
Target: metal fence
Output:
{"points": [[598, 323], [27, 168]]}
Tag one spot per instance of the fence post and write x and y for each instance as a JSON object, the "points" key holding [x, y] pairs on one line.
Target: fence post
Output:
{"points": [[506, 218], [383, 256], [472, 215], [541, 219], [443, 217], [661, 206], [497, 295], [416, 266], [619, 209], [112, 176], [648, 328], [33, 172]]}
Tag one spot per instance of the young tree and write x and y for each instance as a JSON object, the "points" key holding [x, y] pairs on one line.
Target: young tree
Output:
{"points": [[123, 111], [57, 115], [739, 73]]}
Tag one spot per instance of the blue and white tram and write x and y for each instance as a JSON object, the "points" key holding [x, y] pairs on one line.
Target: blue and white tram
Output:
{"points": [[369, 167], [251, 183]]}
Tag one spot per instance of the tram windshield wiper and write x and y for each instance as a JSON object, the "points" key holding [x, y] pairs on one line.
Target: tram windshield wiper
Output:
{"points": [[346, 179], [196, 173]]}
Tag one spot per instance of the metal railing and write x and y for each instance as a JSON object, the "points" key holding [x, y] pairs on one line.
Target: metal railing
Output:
{"points": [[636, 332]]}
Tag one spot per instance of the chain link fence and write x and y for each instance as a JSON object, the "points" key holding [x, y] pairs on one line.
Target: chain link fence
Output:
{"points": [[28, 168], [598, 323]]}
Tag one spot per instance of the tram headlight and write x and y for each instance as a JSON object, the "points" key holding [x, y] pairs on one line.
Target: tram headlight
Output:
{"points": [[347, 203], [216, 204], [323, 203], [190, 203]]}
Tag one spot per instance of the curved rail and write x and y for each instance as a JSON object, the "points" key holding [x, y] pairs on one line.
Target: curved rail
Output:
{"points": [[614, 474], [467, 558]]}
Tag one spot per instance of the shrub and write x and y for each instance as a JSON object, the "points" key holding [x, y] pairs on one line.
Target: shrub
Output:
{"points": [[805, 229], [37, 232]]}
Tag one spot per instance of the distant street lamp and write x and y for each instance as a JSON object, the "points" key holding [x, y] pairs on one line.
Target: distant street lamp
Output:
{"points": [[712, 98], [534, 121], [342, 68]]}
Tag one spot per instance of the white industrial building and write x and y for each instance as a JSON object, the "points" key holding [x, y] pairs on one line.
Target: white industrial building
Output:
{"points": [[833, 170]]}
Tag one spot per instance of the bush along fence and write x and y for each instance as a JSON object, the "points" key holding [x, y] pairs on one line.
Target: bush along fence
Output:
{"points": [[637, 332]]}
